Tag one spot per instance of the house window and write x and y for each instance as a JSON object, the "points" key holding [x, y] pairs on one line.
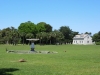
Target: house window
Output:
{"points": [[76, 41], [82, 41], [87, 41]]}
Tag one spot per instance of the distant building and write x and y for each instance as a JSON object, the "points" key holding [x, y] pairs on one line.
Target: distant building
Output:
{"points": [[84, 39]]}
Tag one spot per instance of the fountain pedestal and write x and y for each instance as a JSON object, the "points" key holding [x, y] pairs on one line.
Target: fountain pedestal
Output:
{"points": [[32, 43]]}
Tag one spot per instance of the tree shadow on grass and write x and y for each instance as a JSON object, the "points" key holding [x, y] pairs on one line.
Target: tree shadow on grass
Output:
{"points": [[7, 71]]}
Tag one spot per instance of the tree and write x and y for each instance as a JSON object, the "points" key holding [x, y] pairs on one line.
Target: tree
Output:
{"points": [[48, 28], [10, 35], [96, 37], [6, 35], [15, 36], [50, 37], [66, 31], [41, 27], [27, 27], [22, 36], [73, 34], [58, 36], [0, 35], [42, 36], [55, 36], [88, 33], [29, 36]]}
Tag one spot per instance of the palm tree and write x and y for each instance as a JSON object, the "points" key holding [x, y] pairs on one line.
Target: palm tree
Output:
{"points": [[58, 36], [22, 35], [15, 36], [5, 35], [52, 36], [29, 36], [39, 35], [42, 36]]}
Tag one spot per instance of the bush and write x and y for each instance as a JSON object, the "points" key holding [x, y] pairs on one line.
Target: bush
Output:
{"points": [[97, 43]]}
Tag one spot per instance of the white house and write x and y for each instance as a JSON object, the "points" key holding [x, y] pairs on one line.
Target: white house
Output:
{"points": [[84, 39]]}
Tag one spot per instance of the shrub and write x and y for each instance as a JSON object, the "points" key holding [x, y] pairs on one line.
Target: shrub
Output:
{"points": [[97, 43]]}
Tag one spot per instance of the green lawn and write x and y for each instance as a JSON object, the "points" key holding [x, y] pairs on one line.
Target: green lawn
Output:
{"points": [[77, 60]]}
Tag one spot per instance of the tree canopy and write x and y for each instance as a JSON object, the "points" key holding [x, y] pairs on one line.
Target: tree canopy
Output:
{"points": [[66, 31], [42, 31], [27, 27]]}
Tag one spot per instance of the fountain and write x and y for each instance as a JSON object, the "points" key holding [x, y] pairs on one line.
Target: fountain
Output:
{"points": [[32, 43], [32, 49]]}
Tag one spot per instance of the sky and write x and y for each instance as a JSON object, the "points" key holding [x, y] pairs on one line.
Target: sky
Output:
{"points": [[80, 15]]}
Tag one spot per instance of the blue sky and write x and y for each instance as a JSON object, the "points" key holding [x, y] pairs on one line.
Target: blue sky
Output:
{"points": [[79, 15]]}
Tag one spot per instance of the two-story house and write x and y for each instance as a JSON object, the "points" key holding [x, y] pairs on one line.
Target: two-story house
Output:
{"points": [[82, 39]]}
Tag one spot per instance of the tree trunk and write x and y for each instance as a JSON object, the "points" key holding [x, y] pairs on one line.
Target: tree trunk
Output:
{"points": [[50, 42], [23, 40]]}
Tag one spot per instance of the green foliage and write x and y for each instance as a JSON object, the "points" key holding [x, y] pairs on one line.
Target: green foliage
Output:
{"points": [[96, 37], [58, 35], [29, 35], [48, 28], [88, 33], [67, 32], [97, 43], [44, 37], [9, 35], [74, 33], [41, 27], [27, 27], [42, 31]]}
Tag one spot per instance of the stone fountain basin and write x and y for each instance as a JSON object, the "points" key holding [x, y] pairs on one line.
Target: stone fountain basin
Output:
{"points": [[30, 52]]}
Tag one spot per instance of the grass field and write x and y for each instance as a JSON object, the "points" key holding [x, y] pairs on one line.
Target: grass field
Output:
{"points": [[77, 60]]}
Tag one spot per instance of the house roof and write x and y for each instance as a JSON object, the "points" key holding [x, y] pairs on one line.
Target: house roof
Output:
{"points": [[81, 36]]}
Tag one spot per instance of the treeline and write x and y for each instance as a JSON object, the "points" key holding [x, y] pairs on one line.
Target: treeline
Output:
{"points": [[42, 31]]}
